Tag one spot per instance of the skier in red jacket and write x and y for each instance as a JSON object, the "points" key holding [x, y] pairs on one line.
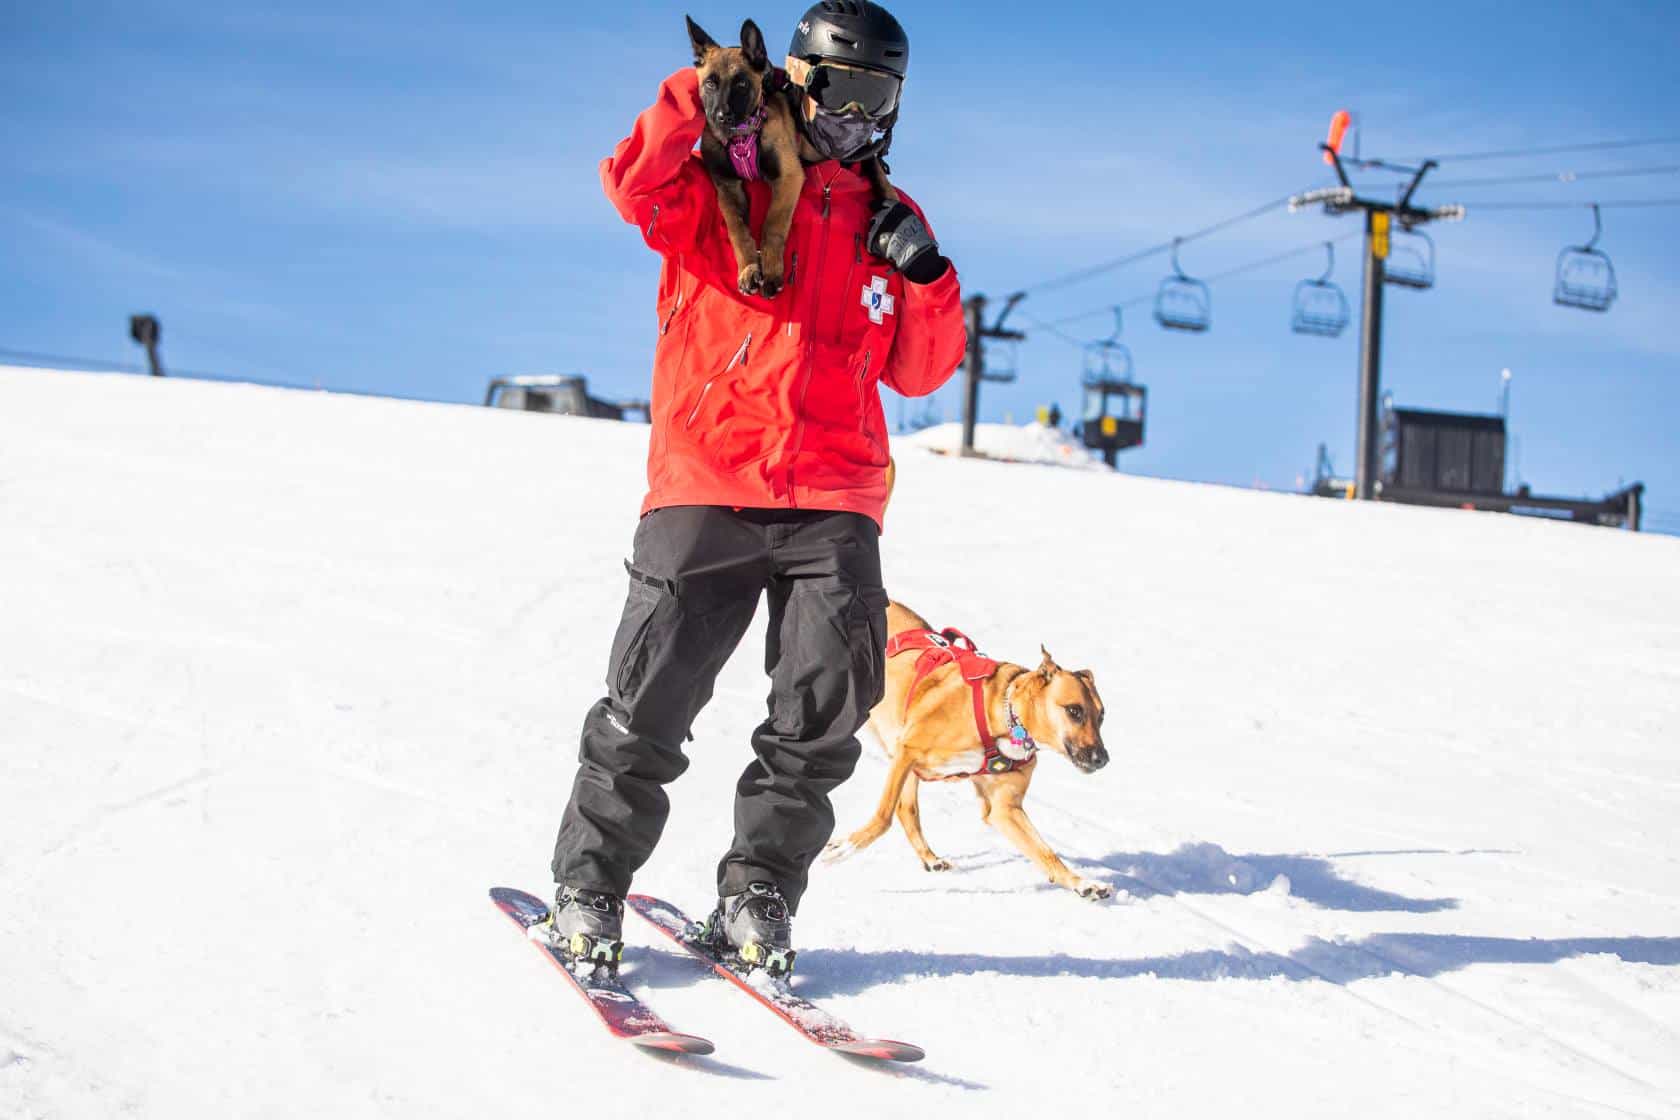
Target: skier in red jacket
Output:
{"points": [[766, 474]]}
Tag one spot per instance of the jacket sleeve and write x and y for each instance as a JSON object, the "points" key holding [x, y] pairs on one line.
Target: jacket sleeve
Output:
{"points": [[653, 178], [932, 337]]}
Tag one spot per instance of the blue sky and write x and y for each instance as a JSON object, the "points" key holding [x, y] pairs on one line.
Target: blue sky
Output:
{"points": [[402, 197]]}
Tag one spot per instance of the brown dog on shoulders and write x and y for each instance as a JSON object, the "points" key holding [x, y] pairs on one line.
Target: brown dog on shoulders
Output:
{"points": [[751, 133], [928, 723]]}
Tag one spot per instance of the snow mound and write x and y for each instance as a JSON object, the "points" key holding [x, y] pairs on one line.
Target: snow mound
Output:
{"points": [[1028, 443], [288, 680]]}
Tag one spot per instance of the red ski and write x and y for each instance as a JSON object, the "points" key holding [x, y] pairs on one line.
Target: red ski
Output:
{"points": [[801, 1014], [621, 1010]]}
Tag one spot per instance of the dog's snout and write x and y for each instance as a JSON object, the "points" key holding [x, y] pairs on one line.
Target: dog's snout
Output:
{"points": [[1089, 759]]}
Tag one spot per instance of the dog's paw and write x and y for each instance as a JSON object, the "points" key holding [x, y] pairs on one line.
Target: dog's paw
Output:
{"points": [[839, 850], [751, 279], [1093, 890], [938, 865], [772, 287]]}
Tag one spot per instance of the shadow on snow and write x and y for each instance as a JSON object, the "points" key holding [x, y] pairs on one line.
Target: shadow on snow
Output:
{"points": [[849, 971], [1210, 869], [830, 972]]}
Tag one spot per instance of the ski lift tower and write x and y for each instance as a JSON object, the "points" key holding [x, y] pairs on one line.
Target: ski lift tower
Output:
{"points": [[974, 361], [1381, 219]]}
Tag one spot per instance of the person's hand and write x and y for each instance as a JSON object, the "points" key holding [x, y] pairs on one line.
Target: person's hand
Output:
{"points": [[899, 235]]}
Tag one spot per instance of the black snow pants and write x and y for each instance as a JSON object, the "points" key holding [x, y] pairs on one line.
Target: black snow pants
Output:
{"points": [[695, 582]]}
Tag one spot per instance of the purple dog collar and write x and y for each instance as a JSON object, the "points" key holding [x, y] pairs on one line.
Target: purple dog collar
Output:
{"points": [[743, 145]]}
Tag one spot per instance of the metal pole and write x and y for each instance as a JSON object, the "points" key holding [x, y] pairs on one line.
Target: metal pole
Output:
{"points": [[974, 367], [1370, 360], [1505, 415]]}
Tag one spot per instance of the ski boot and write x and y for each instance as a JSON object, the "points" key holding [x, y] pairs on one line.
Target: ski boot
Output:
{"points": [[755, 927], [588, 926]]}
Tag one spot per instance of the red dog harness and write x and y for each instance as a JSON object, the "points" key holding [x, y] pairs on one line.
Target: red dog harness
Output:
{"points": [[952, 646]]}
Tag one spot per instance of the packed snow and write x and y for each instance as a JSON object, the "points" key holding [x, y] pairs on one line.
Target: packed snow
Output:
{"points": [[1025, 443], [288, 680]]}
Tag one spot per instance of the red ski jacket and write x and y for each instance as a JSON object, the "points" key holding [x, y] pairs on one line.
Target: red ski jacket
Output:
{"points": [[772, 403]]}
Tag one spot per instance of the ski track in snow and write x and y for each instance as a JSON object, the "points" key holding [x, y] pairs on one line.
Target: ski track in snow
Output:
{"points": [[287, 680]]}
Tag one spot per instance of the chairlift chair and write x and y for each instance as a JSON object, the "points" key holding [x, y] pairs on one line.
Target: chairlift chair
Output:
{"points": [[1585, 277], [1115, 407], [1321, 307], [1107, 359], [1183, 303], [1411, 259]]}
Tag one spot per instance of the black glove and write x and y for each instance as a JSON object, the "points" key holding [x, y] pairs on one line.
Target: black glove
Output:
{"points": [[900, 236]]}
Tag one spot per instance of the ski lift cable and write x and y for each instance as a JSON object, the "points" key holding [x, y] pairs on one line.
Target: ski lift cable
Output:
{"points": [[1558, 149], [64, 361], [1087, 273], [1054, 325], [104, 365], [1562, 177], [1623, 204], [1058, 332], [1095, 270]]}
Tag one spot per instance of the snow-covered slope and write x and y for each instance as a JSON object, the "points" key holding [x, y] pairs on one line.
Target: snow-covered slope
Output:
{"points": [[1024, 443], [287, 680]]}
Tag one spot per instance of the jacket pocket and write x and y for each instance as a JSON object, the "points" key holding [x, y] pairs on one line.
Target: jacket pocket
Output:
{"points": [[863, 382], [676, 306], [739, 359]]}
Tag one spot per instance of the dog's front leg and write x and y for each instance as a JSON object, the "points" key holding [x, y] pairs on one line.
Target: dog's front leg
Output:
{"points": [[784, 194], [910, 817], [1008, 817], [877, 825], [732, 202]]}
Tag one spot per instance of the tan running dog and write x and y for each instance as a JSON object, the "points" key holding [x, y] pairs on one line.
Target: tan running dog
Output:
{"points": [[929, 723]]}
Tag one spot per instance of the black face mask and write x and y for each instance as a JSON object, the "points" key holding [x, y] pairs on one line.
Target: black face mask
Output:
{"points": [[840, 136]]}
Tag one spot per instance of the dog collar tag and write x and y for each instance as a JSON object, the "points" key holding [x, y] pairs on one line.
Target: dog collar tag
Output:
{"points": [[876, 300], [1014, 749]]}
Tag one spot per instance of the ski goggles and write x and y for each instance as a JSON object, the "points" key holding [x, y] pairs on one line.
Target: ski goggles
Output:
{"points": [[842, 89]]}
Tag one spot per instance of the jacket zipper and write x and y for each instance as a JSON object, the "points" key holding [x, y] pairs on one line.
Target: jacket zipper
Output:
{"points": [[675, 307], [739, 358], [799, 411]]}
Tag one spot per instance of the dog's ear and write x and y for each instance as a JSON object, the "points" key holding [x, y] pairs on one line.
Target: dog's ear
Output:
{"points": [[703, 43], [752, 47], [1087, 676], [1048, 667]]}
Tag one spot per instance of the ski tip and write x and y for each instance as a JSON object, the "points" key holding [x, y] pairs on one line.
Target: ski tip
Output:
{"points": [[673, 1043], [881, 1049], [509, 894]]}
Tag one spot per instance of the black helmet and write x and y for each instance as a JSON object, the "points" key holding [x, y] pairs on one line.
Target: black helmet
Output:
{"points": [[855, 32]]}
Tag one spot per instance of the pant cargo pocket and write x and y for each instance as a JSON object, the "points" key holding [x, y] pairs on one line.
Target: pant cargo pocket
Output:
{"points": [[866, 626], [649, 609]]}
